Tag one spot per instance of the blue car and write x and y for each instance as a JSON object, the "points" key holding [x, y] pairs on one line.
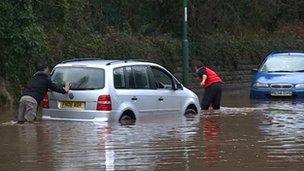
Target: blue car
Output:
{"points": [[281, 74]]}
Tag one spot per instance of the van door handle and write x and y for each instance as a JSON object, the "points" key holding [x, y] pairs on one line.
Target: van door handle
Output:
{"points": [[134, 98], [161, 99]]}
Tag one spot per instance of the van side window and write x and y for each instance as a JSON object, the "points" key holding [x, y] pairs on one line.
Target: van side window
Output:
{"points": [[119, 78], [162, 79], [141, 77], [130, 77]]}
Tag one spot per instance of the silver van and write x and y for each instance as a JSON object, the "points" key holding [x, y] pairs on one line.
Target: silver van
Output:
{"points": [[116, 90]]}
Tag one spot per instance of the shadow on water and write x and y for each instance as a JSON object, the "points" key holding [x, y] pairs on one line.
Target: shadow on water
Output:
{"points": [[262, 135]]}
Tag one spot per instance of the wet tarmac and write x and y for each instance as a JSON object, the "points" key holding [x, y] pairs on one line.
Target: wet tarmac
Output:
{"points": [[243, 135]]}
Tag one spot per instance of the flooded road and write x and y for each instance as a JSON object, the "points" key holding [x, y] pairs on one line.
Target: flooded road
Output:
{"points": [[243, 135]]}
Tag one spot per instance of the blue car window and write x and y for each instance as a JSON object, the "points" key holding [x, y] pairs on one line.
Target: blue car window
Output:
{"points": [[284, 64]]}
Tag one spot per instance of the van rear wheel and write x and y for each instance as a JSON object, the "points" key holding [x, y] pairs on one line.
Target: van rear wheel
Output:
{"points": [[127, 120]]}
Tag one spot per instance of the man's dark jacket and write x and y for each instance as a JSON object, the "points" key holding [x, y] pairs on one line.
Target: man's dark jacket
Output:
{"points": [[38, 86]]}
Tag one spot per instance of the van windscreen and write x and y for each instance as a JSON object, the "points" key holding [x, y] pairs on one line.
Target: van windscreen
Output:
{"points": [[79, 77]]}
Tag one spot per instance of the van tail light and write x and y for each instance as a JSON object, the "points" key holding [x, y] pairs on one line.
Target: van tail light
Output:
{"points": [[104, 103], [45, 102]]}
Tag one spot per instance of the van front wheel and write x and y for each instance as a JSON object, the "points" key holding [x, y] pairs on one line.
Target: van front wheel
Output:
{"points": [[189, 113]]}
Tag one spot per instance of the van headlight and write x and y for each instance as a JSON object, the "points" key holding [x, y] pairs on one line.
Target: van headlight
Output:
{"points": [[299, 86], [260, 85]]}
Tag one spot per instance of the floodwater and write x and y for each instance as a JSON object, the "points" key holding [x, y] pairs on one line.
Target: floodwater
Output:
{"points": [[243, 135]]}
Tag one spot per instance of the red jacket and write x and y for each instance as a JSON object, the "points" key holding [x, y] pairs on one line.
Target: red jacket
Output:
{"points": [[212, 78]]}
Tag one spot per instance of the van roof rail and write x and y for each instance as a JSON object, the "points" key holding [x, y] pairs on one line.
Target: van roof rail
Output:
{"points": [[128, 60], [286, 51], [114, 61], [79, 59], [139, 60]]}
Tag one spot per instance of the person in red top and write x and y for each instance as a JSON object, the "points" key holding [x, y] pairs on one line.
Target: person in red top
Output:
{"points": [[212, 83]]}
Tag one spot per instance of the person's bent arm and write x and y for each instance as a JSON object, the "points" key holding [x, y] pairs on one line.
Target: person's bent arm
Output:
{"points": [[58, 89], [204, 77]]}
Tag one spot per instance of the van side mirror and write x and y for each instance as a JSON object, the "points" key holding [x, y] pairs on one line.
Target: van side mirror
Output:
{"points": [[179, 86]]}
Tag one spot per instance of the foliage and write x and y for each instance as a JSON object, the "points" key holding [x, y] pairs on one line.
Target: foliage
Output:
{"points": [[223, 33], [227, 52], [21, 40]]}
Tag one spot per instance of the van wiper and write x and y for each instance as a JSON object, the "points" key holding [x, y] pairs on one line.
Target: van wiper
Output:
{"points": [[281, 71], [299, 70]]}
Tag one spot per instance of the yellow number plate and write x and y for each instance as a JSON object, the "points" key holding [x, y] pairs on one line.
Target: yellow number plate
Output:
{"points": [[72, 105]]}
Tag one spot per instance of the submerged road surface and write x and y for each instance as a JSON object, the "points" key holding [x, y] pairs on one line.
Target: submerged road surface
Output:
{"points": [[241, 136]]}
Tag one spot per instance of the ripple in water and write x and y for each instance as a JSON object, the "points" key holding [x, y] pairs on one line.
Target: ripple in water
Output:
{"points": [[267, 135]]}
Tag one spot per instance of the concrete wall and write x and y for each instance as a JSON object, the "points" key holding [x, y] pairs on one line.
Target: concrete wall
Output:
{"points": [[6, 97], [242, 76]]}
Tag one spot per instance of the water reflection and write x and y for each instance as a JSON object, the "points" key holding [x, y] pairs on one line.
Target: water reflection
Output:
{"points": [[262, 135], [211, 127], [282, 123], [84, 145]]}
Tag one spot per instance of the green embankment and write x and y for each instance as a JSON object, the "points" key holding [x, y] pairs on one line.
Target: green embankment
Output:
{"points": [[229, 35]]}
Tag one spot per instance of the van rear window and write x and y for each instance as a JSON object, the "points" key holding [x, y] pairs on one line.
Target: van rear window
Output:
{"points": [[79, 77]]}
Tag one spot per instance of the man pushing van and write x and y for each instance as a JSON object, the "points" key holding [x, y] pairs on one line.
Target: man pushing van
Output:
{"points": [[34, 92], [212, 83]]}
